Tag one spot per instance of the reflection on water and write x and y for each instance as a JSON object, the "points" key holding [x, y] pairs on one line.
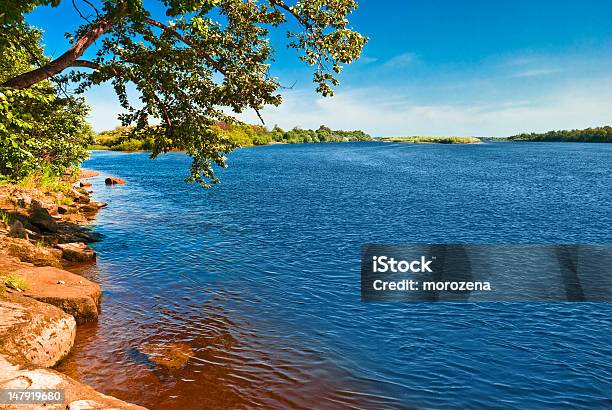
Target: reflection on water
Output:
{"points": [[248, 295]]}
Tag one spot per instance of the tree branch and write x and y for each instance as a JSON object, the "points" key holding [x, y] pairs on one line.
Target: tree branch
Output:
{"points": [[79, 12], [299, 18], [93, 7], [86, 64], [54, 67], [188, 41], [260, 117]]}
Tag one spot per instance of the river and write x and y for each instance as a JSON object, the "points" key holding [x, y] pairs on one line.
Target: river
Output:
{"points": [[257, 279]]}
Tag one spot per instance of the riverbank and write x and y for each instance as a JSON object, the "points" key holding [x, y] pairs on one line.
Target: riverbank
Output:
{"points": [[432, 140], [242, 135], [43, 238], [593, 134]]}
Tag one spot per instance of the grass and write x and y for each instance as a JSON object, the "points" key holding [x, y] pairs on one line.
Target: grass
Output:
{"points": [[433, 140], [14, 282], [45, 180], [6, 217], [65, 201]]}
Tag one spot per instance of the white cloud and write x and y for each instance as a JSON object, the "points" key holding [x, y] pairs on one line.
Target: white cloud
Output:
{"points": [[366, 60], [401, 60], [381, 114], [535, 72], [490, 101]]}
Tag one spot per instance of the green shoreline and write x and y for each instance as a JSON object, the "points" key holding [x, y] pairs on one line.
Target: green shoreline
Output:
{"points": [[241, 135], [245, 135], [432, 140]]}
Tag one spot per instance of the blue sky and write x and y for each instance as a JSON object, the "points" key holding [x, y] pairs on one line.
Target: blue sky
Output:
{"points": [[437, 68]]}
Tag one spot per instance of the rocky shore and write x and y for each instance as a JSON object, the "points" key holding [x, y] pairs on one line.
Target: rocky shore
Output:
{"points": [[43, 235]]}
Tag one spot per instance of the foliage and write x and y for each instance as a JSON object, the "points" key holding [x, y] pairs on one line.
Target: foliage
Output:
{"points": [[322, 134], [433, 140], [597, 134], [39, 128], [245, 135], [210, 58], [13, 11], [121, 139], [242, 135], [494, 139]]}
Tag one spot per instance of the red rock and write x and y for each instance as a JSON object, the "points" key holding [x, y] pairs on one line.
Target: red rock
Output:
{"points": [[76, 296], [172, 355], [63, 209], [77, 396], [41, 218], [80, 196], [88, 173], [28, 252], [77, 252], [84, 183], [33, 332], [16, 230], [114, 181]]}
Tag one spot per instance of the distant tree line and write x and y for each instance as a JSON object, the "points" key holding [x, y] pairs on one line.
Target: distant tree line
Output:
{"points": [[597, 134], [122, 139], [432, 140]]}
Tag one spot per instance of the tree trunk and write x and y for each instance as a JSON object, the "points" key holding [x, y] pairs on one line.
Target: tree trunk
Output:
{"points": [[30, 78]]}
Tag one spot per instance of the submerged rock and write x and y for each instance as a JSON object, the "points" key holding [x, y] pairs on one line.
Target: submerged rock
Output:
{"points": [[171, 355], [114, 181], [34, 332], [84, 184]]}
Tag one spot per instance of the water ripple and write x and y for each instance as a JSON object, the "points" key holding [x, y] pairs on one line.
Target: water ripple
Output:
{"points": [[258, 279]]}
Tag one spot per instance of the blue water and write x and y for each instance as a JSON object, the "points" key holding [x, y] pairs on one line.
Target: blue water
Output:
{"points": [[259, 276]]}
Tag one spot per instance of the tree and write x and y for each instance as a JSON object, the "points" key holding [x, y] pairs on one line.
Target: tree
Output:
{"points": [[39, 128], [210, 57]]}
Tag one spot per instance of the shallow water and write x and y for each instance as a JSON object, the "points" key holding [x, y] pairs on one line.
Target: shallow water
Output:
{"points": [[259, 279]]}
